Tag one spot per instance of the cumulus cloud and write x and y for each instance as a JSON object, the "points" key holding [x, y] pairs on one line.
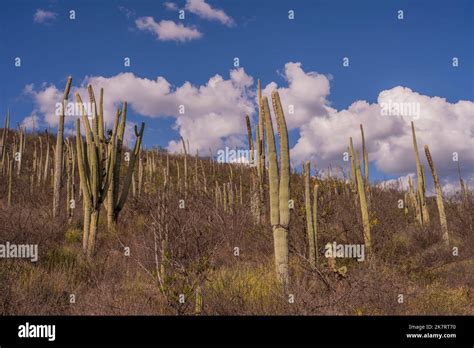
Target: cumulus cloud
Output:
{"points": [[167, 30], [212, 117], [44, 16], [324, 131], [204, 10]]}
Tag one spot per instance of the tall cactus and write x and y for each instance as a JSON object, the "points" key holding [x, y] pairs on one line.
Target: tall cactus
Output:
{"points": [[366, 159], [115, 198], [309, 217], [315, 220], [464, 189], [353, 169], [97, 165], [363, 205], [279, 186], [439, 197], [6, 128], [424, 218], [10, 179], [58, 160], [260, 144]]}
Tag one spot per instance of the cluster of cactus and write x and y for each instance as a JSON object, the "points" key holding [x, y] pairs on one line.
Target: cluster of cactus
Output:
{"points": [[99, 163]]}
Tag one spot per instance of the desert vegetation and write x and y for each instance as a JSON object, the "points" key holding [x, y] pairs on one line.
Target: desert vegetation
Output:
{"points": [[134, 230]]}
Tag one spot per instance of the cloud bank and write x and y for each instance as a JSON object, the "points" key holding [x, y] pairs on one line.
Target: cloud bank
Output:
{"points": [[213, 117]]}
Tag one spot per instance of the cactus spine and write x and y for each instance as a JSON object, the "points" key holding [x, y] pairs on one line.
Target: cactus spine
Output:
{"points": [[309, 217], [423, 218], [439, 197], [58, 161], [279, 186]]}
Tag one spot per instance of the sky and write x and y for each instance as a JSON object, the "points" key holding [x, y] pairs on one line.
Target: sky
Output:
{"points": [[418, 61]]}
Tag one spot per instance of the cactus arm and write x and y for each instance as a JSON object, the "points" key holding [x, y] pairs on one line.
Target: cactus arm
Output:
{"points": [[366, 157], [439, 197], [58, 161], [363, 205], [421, 180], [285, 161], [92, 154], [101, 116], [315, 220], [273, 179], [249, 137], [81, 163], [352, 156], [131, 167], [309, 216]]}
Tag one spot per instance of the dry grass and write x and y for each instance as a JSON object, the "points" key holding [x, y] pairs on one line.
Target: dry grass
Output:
{"points": [[408, 260]]}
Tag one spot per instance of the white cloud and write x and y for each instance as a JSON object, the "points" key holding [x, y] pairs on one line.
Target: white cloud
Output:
{"points": [[214, 117], [324, 131], [401, 183], [214, 112], [204, 10], [44, 17], [170, 5], [167, 30]]}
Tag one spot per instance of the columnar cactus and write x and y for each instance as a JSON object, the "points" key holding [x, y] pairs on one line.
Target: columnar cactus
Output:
{"points": [[424, 218], [366, 159], [10, 179], [315, 220], [260, 144], [70, 185], [279, 186], [439, 197], [115, 198], [58, 160], [464, 188], [309, 217], [363, 205], [353, 165], [6, 128], [185, 166], [97, 164]]}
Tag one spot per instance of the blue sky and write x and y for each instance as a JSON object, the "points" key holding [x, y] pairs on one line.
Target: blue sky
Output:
{"points": [[384, 52]]}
